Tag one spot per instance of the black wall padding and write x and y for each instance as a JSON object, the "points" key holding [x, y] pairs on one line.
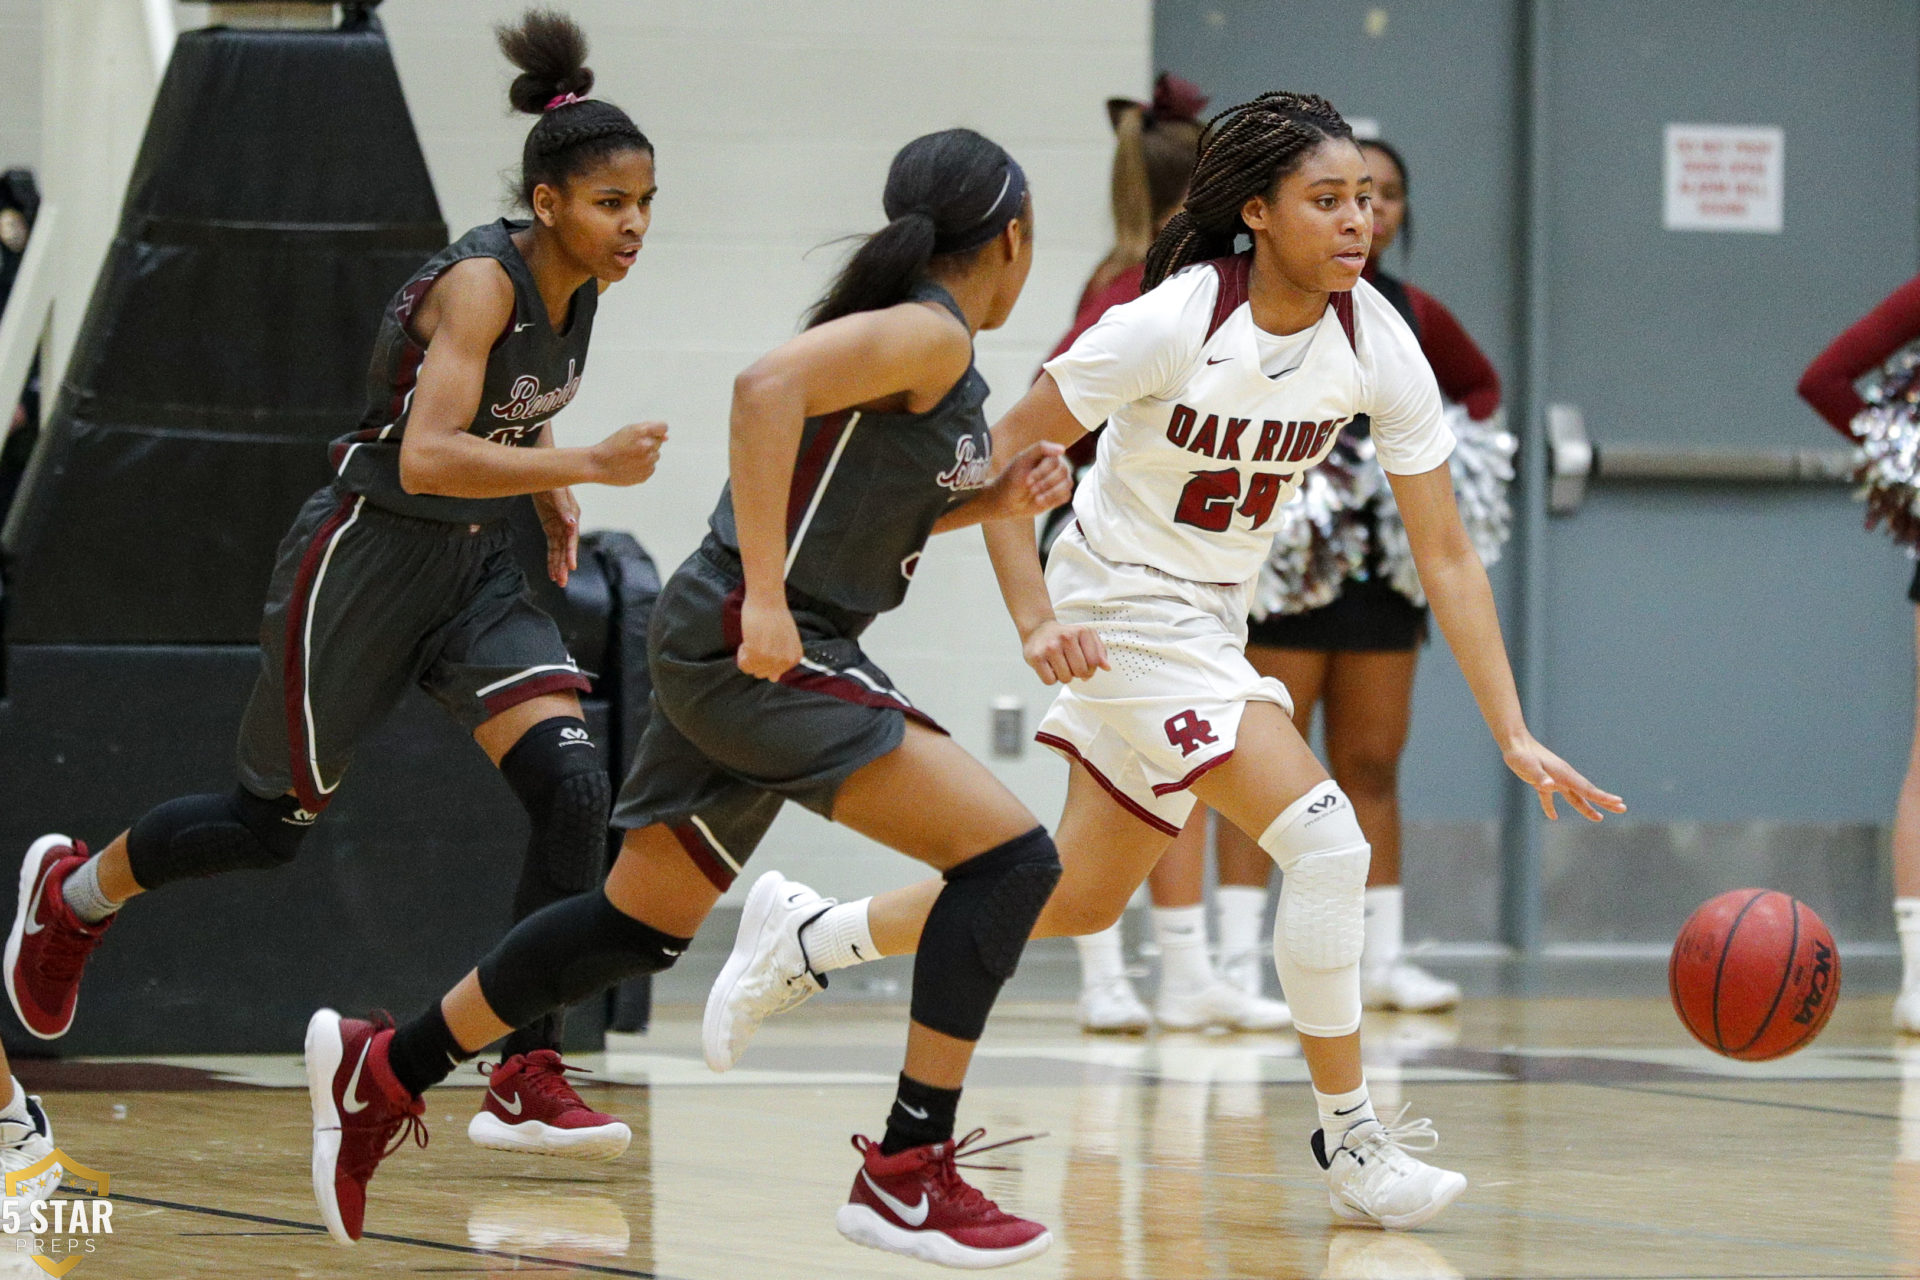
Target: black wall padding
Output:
{"points": [[399, 889], [279, 199]]}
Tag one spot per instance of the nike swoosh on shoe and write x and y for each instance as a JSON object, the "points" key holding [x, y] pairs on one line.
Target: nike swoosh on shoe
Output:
{"points": [[913, 1216]]}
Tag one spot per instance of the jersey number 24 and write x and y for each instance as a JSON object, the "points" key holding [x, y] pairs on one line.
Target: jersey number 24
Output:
{"points": [[1208, 501]]}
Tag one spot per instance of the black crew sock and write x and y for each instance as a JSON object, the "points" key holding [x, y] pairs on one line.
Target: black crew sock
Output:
{"points": [[423, 1052], [922, 1115], [542, 1033]]}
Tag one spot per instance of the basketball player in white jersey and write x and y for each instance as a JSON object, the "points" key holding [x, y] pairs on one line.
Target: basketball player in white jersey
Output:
{"points": [[1220, 386]]}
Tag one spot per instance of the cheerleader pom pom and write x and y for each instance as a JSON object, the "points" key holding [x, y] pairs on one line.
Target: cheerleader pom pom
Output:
{"points": [[1320, 538], [1482, 467], [1887, 461]]}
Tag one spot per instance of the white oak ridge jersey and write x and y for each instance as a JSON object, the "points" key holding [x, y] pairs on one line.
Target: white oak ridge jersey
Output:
{"points": [[1201, 446]]}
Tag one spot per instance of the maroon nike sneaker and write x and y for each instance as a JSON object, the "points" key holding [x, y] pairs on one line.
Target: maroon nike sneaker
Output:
{"points": [[361, 1114], [531, 1107], [49, 945], [917, 1203]]}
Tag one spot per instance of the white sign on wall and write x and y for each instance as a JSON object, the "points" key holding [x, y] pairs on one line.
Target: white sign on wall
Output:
{"points": [[1722, 177]]}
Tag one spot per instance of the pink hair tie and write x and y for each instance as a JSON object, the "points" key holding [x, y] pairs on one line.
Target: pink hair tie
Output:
{"points": [[563, 100]]}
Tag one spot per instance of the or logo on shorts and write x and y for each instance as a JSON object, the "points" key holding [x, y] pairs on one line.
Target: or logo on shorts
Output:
{"points": [[1189, 732]]}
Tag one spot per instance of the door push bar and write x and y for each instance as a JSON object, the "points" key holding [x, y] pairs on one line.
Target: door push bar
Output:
{"points": [[1575, 461]]}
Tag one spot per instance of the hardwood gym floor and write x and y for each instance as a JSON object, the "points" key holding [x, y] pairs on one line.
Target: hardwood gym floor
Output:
{"points": [[1599, 1144]]}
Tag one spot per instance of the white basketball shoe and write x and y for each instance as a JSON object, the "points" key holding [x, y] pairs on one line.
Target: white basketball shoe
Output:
{"points": [[1906, 1010], [767, 971], [1218, 1004], [1112, 1008], [1373, 1177], [1407, 987], [23, 1144]]}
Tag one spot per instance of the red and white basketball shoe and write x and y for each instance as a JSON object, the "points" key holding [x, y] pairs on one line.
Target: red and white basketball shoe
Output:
{"points": [[531, 1107], [49, 945], [361, 1114], [917, 1203]]}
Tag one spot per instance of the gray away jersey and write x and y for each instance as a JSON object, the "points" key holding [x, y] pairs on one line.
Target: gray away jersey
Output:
{"points": [[868, 487], [532, 373]]}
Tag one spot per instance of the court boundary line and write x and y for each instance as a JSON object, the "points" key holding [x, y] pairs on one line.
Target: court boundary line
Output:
{"points": [[1743, 1102], [467, 1250]]}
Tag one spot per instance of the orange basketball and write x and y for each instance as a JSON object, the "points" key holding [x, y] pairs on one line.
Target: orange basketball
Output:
{"points": [[1754, 974]]}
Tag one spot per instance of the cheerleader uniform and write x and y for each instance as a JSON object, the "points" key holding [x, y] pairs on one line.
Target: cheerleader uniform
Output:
{"points": [[1370, 615], [1828, 383]]}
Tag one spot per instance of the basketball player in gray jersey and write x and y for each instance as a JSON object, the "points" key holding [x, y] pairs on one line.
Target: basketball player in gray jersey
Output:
{"points": [[400, 573], [851, 445]]}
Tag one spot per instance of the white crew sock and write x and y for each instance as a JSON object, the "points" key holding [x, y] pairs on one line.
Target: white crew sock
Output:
{"points": [[1906, 918], [838, 937], [1101, 961], [1381, 950], [1182, 935], [1242, 912], [83, 894], [1339, 1112]]}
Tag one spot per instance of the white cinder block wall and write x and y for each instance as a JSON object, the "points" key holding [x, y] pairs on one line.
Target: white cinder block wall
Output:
{"points": [[19, 83], [774, 121]]}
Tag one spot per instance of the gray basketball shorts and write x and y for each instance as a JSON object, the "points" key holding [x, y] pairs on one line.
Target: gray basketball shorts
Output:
{"points": [[722, 750], [363, 604]]}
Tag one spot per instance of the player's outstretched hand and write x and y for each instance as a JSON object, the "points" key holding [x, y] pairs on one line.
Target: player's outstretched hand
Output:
{"points": [[629, 455], [1060, 653], [560, 517], [1547, 773], [1038, 480], [769, 640]]}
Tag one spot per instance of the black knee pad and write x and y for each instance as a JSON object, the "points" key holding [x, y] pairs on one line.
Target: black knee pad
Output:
{"points": [[206, 835], [556, 772], [976, 931], [568, 951]]}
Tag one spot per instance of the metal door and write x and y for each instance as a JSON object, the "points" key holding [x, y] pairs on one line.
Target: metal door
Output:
{"points": [[1735, 658]]}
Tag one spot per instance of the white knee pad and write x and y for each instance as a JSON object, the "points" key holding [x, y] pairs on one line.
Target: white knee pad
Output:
{"points": [[1321, 923]]}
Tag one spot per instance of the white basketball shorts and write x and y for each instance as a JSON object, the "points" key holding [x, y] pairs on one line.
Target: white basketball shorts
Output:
{"points": [[1170, 708]]}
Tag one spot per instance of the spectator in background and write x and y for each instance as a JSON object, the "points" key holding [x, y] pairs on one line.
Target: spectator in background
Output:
{"points": [[19, 202], [1828, 385]]}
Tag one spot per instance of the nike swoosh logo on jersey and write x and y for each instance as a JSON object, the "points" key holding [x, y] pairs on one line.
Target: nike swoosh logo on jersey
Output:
{"points": [[915, 1112], [33, 924], [350, 1100], [511, 1108], [913, 1215], [526, 325], [1220, 360]]}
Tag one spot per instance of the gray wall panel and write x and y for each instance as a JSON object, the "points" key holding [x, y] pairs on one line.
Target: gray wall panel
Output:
{"points": [[1700, 336]]}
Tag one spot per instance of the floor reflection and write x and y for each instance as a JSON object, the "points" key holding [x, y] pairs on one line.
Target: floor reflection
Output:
{"points": [[1363, 1254]]}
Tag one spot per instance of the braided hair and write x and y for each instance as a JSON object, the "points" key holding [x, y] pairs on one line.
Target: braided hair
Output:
{"points": [[1244, 153], [574, 133]]}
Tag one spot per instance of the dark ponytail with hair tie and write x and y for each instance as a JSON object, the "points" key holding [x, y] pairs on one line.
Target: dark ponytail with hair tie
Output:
{"points": [[947, 194], [574, 132]]}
